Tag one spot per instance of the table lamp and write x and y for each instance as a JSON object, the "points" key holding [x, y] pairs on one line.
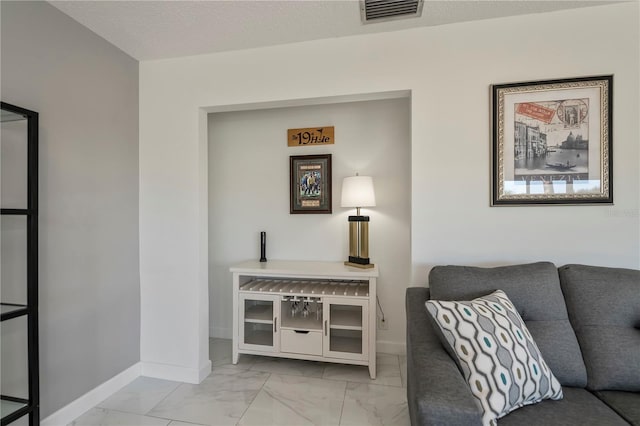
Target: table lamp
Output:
{"points": [[357, 191]]}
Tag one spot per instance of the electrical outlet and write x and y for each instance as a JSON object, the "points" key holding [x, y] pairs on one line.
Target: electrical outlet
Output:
{"points": [[383, 324]]}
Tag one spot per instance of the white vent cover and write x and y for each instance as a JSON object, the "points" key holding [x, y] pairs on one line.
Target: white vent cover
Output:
{"points": [[386, 10]]}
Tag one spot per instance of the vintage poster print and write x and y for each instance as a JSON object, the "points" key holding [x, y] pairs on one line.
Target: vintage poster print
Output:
{"points": [[310, 184], [552, 142]]}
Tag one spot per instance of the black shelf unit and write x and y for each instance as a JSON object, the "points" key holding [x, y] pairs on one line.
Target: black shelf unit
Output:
{"points": [[14, 408]]}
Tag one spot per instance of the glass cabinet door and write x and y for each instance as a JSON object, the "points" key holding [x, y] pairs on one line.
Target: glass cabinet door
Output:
{"points": [[259, 328], [346, 331]]}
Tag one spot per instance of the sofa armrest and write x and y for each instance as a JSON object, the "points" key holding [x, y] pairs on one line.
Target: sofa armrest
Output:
{"points": [[437, 393]]}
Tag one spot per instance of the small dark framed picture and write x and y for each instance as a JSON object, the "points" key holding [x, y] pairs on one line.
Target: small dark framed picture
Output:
{"points": [[310, 184], [552, 142]]}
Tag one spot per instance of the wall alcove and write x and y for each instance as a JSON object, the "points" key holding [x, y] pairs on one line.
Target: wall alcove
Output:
{"points": [[248, 192]]}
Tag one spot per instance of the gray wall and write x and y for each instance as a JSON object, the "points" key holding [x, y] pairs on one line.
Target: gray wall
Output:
{"points": [[86, 92]]}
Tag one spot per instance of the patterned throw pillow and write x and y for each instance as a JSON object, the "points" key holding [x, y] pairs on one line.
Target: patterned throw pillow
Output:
{"points": [[498, 357]]}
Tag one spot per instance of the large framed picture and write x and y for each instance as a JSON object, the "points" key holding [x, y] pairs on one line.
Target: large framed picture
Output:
{"points": [[310, 183], [552, 142]]}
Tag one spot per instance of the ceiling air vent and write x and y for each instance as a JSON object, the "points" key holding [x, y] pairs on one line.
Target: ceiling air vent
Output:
{"points": [[387, 10]]}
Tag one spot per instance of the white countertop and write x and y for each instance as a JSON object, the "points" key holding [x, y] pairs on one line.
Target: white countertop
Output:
{"points": [[302, 268]]}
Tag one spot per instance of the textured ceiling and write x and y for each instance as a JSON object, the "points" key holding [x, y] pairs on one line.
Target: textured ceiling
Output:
{"points": [[165, 29]]}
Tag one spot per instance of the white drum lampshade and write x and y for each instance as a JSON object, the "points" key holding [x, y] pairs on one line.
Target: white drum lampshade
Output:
{"points": [[357, 191]]}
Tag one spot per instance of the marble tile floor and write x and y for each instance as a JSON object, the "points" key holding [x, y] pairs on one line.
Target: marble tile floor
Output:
{"points": [[262, 391]]}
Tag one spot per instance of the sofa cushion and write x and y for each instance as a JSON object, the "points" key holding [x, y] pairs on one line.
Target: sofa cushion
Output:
{"points": [[496, 353], [604, 308], [535, 291], [578, 407], [626, 404]]}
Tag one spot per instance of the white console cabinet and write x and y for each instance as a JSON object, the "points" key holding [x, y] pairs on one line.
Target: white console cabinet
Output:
{"points": [[319, 311]]}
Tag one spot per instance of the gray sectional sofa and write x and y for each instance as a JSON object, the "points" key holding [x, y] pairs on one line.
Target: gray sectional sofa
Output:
{"points": [[584, 319]]}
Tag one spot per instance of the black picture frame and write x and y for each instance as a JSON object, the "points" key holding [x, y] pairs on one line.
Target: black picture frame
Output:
{"points": [[552, 142], [310, 184]]}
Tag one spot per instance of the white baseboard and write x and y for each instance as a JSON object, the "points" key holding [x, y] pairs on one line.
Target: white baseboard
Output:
{"points": [[75, 409], [387, 347], [205, 370], [176, 373]]}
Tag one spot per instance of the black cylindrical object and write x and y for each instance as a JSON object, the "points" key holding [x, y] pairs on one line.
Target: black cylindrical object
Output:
{"points": [[263, 246]]}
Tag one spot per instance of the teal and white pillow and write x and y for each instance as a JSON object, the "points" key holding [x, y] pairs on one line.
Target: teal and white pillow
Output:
{"points": [[496, 353]]}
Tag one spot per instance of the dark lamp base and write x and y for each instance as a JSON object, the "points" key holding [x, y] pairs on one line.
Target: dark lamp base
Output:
{"points": [[359, 262]]}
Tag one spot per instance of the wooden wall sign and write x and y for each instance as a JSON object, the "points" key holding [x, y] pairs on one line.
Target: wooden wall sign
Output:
{"points": [[310, 136]]}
